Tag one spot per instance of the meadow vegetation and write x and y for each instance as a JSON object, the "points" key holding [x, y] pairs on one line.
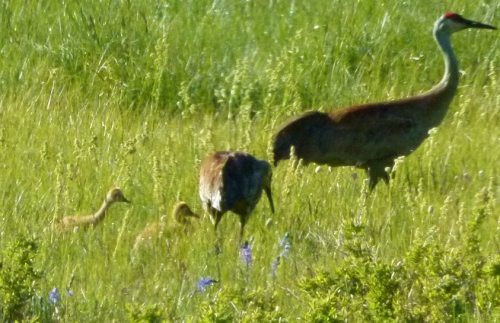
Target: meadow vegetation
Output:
{"points": [[133, 94]]}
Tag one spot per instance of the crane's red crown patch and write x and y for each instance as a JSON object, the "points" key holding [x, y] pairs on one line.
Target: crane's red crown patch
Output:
{"points": [[452, 15]]}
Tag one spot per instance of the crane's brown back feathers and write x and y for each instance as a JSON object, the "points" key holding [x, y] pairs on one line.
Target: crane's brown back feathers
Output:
{"points": [[352, 136], [233, 181]]}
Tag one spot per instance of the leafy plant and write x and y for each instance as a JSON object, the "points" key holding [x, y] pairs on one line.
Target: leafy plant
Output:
{"points": [[145, 313], [19, 279], [429, 284], [230, 304]]}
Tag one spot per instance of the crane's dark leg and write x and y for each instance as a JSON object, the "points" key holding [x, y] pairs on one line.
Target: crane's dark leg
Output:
{"points": [[376, 172], [243, 221], [375, 176], [217, 216]]}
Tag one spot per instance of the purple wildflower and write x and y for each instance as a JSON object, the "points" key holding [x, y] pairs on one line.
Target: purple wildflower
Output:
{"points": [[204, 283], [286, 244], [246, 253], [54, 296]]}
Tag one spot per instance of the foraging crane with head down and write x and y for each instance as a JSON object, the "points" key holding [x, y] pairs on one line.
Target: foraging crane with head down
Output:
{"points": [[371, 136], [233, 181]]}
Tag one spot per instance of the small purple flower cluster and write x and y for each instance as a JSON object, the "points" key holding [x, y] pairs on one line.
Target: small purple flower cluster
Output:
{"points": [[204, 283], [286, 248], [286, 245], [54, 296], [246, 254]]}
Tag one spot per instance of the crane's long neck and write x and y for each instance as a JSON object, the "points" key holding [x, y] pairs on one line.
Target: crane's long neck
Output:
{"points": [[450, 78], [101, 213], [442, 94]]}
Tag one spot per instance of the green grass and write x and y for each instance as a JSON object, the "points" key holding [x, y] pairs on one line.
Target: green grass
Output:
{"points": [[135, 93]]}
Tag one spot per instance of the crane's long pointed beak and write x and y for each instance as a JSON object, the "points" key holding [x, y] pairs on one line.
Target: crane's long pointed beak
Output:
{"points": [[269, 197], [480, 25]]}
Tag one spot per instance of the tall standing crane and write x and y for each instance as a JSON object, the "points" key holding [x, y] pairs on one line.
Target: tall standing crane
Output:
{"points": [[371, 136], [233, 181]]}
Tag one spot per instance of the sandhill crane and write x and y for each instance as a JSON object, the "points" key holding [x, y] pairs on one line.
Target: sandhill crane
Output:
{"points": [[73, 223], [233, 181], [180, 213], [371, 136]]}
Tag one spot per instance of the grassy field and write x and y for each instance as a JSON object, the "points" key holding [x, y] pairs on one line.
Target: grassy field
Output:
{"points": [[134, 94]]}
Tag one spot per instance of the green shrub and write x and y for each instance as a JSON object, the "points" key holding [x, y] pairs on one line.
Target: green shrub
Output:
{"points": [[142, 313], [238, 304], [19, 279], [429, 284]]}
